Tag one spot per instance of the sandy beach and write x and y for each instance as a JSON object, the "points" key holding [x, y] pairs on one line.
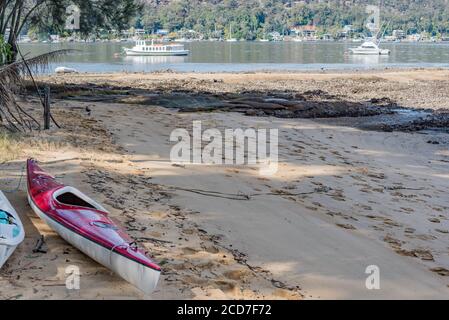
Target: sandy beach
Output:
{"points": [[344, 198]]}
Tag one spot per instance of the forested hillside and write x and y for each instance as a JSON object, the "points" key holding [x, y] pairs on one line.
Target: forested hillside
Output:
{"points": [[250, 19]]}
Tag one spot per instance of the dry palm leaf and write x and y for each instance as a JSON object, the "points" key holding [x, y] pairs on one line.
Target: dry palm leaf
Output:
{"points": [[12, 116]]}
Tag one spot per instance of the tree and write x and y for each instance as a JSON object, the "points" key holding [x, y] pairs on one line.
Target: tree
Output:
{"points": [[16, 14], [50, 15], [257, 17]]}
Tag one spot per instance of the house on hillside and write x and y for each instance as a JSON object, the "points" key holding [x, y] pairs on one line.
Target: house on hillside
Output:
{"points": [[414, 37], [399, 34], [162, 32], [139, 32], [275, 36], [305, 32]]}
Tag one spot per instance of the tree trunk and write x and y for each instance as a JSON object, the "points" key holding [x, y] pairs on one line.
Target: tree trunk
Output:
{"points": [[14, 51], [15, 15]]}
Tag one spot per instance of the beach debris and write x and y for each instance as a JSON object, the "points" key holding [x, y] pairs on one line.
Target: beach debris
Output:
{"points": [[40, 246]]}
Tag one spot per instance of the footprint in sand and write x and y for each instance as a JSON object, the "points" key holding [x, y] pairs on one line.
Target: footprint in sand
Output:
{"points": [[393, 242], [212, 249], [238, 274], [285, 294], [423, 254], [407, 210], [391, 223], [441, 271], [189, 251], [365, 207], [409, 230], [346, 226], [228, 286]]}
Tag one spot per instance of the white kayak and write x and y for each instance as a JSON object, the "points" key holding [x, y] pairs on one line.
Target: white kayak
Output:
{"points": [[65, 70], [11, 229]]}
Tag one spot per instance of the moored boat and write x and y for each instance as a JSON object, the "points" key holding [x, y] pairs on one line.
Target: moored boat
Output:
{"points": [[11, 229], [369, 48], [85, 224], [141, 48]]}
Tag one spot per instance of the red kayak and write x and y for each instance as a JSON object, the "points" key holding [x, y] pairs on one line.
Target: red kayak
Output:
{"points": [[85, 224]]}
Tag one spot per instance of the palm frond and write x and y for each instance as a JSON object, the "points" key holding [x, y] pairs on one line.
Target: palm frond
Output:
{"points": [[12, 116], [40, 63]]}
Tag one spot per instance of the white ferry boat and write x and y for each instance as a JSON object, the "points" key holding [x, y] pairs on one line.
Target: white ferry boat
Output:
{"points": [[156, 49], [369, 48]]}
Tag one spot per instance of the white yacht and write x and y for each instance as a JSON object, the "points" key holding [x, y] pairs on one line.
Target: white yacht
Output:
{"points": [[369, 48], [156, 49]]}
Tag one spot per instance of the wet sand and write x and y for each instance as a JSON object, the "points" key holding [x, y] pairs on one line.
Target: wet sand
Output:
{"points": [[343, 198]]}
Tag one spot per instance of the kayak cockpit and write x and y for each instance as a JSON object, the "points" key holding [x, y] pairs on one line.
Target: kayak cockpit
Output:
{"points": [[73, 197], [73, 200]]}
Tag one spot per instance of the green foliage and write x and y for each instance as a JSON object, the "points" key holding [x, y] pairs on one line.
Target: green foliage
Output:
{"points": [[5, 51], [248, 19], [94, 16]]}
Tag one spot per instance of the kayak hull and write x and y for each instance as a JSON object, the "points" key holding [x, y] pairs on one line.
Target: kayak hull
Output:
{"points": [[83, 228]]}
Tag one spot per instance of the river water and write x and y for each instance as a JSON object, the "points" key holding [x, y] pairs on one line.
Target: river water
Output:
{"points": [[246, 56]]}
